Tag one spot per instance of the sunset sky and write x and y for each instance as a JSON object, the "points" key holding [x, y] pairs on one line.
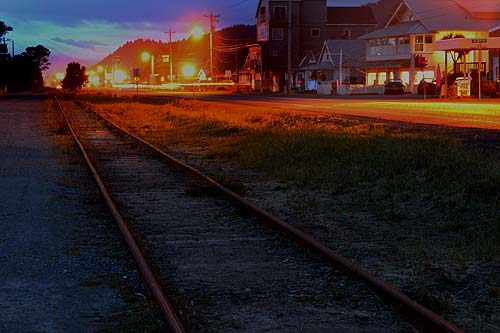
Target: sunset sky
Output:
{"points": [[89, 30]]}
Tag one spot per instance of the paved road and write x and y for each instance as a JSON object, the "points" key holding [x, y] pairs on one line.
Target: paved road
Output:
{"points": [[460, 113], [51, 245]]}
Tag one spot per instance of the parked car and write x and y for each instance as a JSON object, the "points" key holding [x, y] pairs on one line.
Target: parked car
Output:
{"points": [[429, 85], [394, 87]]}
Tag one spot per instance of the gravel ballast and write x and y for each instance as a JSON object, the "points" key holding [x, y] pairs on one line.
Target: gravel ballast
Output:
{"points": [[63, 267]]}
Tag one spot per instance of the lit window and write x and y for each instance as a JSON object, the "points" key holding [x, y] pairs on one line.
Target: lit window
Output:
{"points": [[371, 79], [405, 76], [382, 77]]}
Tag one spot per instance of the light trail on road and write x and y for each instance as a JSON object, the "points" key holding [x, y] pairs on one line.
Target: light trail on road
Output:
{"points": [[409, 109]]}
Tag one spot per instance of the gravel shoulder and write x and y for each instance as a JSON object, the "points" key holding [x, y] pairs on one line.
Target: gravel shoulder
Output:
{"points": [[62, 264], [225, 271], [435, 248]]}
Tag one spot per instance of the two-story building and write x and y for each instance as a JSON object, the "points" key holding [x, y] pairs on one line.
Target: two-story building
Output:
{"points": [[312, 22], [420, 38], [308, 23]]}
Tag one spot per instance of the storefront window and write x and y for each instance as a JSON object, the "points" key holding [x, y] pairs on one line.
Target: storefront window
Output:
{"points": [[405, 76], [371, 79], [382, 77]]}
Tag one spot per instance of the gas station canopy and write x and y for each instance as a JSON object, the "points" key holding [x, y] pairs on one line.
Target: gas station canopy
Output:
{"points": [[491, 43]]}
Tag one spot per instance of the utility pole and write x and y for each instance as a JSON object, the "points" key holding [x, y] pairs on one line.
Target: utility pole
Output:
{"points": [[170, 59], [237, 67], [341, 78], [289, 81], [480, 67], [261, 70], [213, 20]]}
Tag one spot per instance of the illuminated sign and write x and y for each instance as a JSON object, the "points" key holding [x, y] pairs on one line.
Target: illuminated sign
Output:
{"points": [[263, 33]]}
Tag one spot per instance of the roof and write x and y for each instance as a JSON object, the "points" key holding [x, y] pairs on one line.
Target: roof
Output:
{"points": [[439, 15], [482, 8], [442, 15], [353, 52], [353, 55], [351, 15], [383, 10], [401, 29]]}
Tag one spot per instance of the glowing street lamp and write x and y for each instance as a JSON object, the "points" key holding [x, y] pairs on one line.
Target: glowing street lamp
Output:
{"points": [[197, 32], [145, 57], [188, 71]]}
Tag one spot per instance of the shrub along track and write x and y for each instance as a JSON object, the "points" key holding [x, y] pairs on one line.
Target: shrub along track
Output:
{"points": [[224, 271]]}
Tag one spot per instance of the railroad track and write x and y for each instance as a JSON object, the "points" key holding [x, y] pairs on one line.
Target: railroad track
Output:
{"points": [[224, 271]]}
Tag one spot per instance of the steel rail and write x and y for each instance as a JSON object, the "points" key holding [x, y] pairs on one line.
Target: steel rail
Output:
{"points": [[149, 278], [417, 313]]}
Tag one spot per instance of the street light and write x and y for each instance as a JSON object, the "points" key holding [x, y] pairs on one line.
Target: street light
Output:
{"points": [[145, 57], [188, 70], [197, 32]]}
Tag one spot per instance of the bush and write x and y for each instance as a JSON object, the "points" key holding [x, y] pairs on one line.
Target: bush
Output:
{"points": [[489, 88]]}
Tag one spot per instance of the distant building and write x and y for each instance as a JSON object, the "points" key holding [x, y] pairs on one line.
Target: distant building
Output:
{"points": [[349, 22], [340, 65], [313, 22], [413, 43]]}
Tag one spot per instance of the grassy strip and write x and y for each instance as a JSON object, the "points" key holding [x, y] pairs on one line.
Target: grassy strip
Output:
{"points": [[384, 170]]}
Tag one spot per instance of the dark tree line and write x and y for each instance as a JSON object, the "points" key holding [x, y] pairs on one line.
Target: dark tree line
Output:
{"points": [[23, 71]]}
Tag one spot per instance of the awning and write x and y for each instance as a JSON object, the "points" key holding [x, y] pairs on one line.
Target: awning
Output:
{"points": [[401, 63], [454, 44]]}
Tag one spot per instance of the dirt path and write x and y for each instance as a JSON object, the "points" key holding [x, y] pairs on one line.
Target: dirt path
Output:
{"points": [[59, 250]]}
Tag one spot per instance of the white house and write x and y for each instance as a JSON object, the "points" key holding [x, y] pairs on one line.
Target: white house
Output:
{"points": [[340, 63], [413, 44]]}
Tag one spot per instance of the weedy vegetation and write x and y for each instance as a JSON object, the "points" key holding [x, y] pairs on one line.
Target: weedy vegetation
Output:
{"points": [[452, 189]]}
